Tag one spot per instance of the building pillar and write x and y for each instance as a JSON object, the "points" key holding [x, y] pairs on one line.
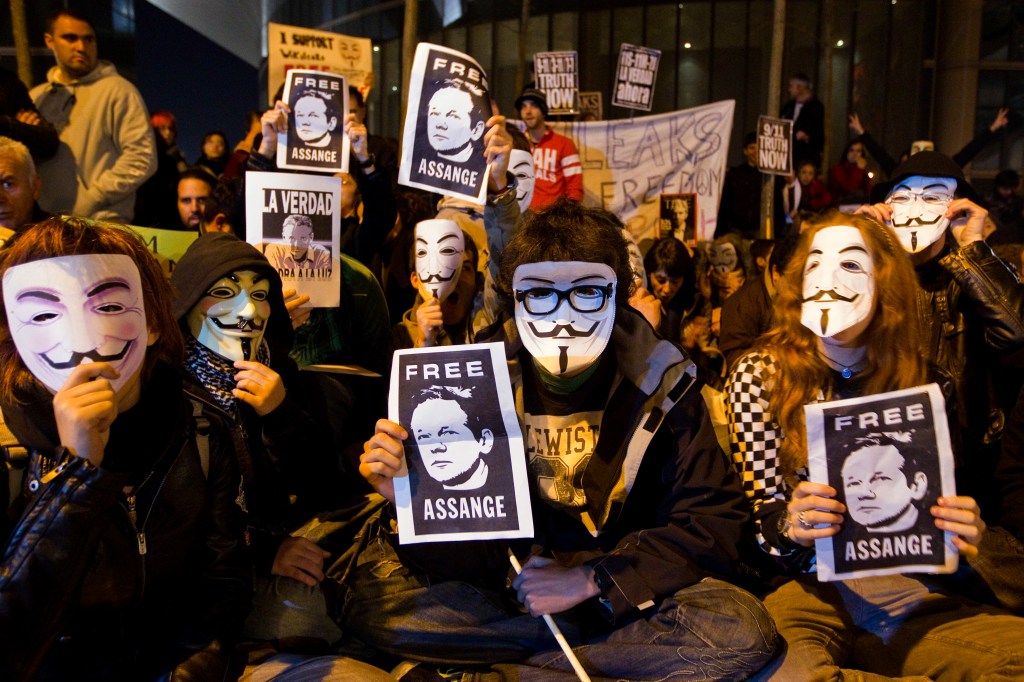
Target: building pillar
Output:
{"points": [[957, 46]]}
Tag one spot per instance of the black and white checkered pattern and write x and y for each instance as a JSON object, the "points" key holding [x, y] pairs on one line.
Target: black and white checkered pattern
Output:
{"points": [[755, 436]]}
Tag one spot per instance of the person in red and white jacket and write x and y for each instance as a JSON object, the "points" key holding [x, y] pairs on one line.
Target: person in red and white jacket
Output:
{"points": [[559, 172]]}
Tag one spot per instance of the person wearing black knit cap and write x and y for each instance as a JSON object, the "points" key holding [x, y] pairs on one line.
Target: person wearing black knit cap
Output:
{"points": [[555, 157]]}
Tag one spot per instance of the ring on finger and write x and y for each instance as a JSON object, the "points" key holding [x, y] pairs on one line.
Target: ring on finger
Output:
{"points": [[801, 517]]}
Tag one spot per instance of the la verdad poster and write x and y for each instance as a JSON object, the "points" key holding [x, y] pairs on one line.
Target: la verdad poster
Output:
{"points": [[295, 221]]}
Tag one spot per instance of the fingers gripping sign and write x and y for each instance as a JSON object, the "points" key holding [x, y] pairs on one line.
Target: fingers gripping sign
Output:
{"points": [[383, 458]]}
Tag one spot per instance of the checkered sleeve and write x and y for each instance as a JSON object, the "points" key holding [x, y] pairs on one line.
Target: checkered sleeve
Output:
{"points": [[755, 437]]}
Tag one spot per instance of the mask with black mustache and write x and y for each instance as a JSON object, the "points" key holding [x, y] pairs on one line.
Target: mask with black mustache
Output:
{"points": [[838, 281], [565, 341], [919, 210], [440, 245]]}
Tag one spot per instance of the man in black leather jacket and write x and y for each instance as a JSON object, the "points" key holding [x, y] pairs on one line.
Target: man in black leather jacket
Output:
{"points": [[971, 304], [125, 559]]}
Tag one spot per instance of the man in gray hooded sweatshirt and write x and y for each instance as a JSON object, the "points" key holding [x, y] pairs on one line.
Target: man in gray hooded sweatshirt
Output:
{"points": [[107, 149]]}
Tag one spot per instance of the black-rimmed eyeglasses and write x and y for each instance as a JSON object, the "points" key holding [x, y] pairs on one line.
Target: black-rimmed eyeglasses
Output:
{"points": [[586, 298]]}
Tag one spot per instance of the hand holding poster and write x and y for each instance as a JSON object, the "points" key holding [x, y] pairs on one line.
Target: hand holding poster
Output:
{"points": [[637, 73], [294, 220], [316, 139], [295, 47], [466, 467], [889, 458], [445, 122], [558, 76], [775, 145]]}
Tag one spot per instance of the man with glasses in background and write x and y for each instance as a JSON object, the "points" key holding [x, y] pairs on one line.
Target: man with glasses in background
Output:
{"points": [[637, 511]]}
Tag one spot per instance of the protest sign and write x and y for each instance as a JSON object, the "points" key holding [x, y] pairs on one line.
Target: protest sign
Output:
{"points": [[635, 77], [889, 458], [295, 47], [465, 476], [591, 105], [558, 77], [294, 220], [445, 122], [679, 217], [629, 164], [167, 245], [316, 139], [775, 145]]}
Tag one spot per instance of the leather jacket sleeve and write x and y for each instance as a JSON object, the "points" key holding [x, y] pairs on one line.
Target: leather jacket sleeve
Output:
{"points": [[46, 557], [996, 294]]}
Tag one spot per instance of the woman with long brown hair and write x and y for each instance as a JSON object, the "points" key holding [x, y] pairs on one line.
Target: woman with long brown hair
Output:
{"points": [[845, 327]]}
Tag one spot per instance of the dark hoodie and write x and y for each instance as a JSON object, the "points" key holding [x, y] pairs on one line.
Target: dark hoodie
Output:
{"points": [[287, 456], [215, 255]]}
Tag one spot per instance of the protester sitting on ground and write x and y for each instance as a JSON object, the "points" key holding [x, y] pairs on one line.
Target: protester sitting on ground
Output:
{"points": [[620, 577], [892, 625], [237, 334], [355, 333], [453, 320], [126, 557], [747, 314]]}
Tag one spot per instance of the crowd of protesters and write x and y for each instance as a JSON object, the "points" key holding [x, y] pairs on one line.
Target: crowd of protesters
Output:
{"points": [[183, 501]]}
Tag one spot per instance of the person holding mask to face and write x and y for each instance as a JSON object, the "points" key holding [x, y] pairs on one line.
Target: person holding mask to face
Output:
{"points": [[844, 328], [443, 269], [126, 557]]}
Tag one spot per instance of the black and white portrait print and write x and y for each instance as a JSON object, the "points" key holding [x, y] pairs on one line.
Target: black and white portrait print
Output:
{"points": [[889, 460], [449, 105], [316, 125], [466, 468]]}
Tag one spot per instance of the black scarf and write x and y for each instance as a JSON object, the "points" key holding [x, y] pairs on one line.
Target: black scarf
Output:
{"points": [[216, 373]]}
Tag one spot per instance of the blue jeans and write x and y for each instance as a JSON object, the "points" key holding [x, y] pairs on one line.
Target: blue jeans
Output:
{"points": [[998, 568], [710, 630], [893, 626]]}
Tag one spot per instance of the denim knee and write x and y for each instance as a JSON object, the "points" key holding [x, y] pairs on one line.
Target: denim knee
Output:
{"points": [[723, 616]]}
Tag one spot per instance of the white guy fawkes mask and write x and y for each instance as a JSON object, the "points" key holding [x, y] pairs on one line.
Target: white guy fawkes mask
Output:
{"points": [[919, 210], [439, 248], [839, 281], [565, 312], [723, 257], [73, 309], [521, 165], [231, 318]]}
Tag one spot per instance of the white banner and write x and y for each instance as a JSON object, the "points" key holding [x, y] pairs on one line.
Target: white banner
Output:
{"points": [[628, 164]]}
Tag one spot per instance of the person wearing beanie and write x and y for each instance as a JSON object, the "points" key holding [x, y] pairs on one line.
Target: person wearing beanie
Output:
{"points": [[971, 313], [557, 162]]}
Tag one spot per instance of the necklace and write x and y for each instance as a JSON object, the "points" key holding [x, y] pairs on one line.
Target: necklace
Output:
{"points": [[845, 366]]}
